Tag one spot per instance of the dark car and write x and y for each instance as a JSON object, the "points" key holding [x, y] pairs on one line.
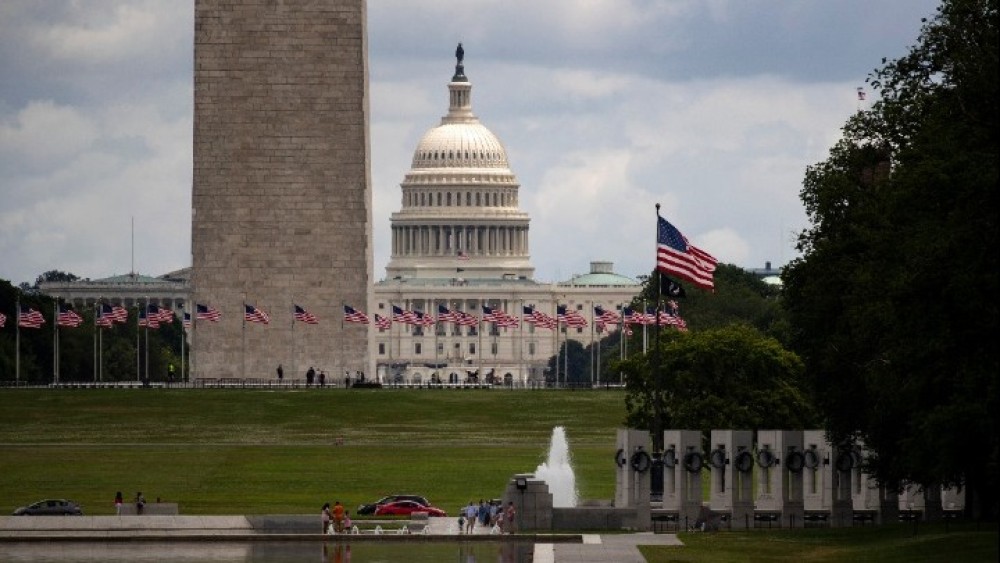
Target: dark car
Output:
{"points": [[50, 507], [371, 508], [407, 507]]}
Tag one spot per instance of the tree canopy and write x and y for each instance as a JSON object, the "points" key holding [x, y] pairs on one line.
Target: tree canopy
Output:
{"points": [[893, 304]]}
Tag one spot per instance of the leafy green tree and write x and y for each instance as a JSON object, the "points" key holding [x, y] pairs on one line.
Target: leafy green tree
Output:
{"points": [[727, 377], [893, 303]]}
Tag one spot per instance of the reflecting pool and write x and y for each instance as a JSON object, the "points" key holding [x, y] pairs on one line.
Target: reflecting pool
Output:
{"points": [[268, 552]]}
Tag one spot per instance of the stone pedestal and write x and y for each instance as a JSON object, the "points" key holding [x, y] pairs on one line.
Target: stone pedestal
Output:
{"points": [[532, 500], [633, 463], [781, 461], [683, 461], [731, 462], [824, 490]]}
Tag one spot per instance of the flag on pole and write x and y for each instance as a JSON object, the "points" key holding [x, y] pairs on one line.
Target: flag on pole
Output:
{"points": [[149, 320], [352, 315], [675, 256], [119, 314], [465, 319], [498, 316], [569, 317], [163, 316], [68, 317], [3, 320], [186, 322], [606, 316], [207, 313], [535, 317], [400, 315], [301, 314], [382, 323], [447, 316], [29, 318], [252, 314]]}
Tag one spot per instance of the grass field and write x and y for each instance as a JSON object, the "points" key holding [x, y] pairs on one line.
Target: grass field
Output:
{"points": [[259, 452], [884, 544]]}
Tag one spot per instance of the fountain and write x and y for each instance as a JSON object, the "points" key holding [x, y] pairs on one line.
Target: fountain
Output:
{"points": [[557, 472]]}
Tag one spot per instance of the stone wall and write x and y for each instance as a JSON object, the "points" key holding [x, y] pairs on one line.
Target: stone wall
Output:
{"points": [[281, 187]]}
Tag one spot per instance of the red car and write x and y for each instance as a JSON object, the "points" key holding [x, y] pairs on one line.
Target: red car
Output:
{"points": [[405, 508]]}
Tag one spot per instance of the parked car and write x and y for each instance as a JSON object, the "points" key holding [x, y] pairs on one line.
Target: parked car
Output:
{"points": [[50, 507], [370, 508], [407, 507]]}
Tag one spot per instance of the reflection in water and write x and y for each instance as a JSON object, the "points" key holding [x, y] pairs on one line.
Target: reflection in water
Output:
{"points": [[267, 552]]}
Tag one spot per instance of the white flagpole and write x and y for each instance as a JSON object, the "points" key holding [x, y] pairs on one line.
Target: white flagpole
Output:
{"points": [[147, 338], [183, 341], [97, 307], [55, 342], [17, 338], [138, 316]]}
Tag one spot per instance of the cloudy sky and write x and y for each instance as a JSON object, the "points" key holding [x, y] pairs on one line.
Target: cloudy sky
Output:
{"points": [[713, 108]]}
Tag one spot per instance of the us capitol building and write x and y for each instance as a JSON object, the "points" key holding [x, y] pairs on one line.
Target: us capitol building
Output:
{"points": [[460, 241]]}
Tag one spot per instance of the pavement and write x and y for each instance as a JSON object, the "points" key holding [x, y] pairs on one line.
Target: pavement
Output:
{"points": [[549, 548]]}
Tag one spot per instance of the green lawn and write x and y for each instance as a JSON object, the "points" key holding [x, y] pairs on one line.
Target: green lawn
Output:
{"points": [[884, 544], [257, 452]]}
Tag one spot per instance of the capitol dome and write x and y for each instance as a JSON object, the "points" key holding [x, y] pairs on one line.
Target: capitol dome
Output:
{"points": [[462, 144], [460, 202]]}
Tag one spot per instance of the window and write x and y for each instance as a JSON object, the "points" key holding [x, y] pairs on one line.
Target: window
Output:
{"points": [[416, 348], [493, 348], [531, 348], [440, 348], [381, 349], [472, 348]]}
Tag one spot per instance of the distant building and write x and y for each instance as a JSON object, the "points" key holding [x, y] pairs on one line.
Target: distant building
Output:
{"points": [[461, 242], [170, 291], [767, 274]]}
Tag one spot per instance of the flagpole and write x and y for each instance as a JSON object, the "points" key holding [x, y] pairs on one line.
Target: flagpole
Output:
{"points": [[294, 344], [591, 343], [97, 307], [100, 354], [243, 350], [138, 350], [55, 342], [183, 339], [147, 338], [17, 361], [480, 349], [657, 429]]}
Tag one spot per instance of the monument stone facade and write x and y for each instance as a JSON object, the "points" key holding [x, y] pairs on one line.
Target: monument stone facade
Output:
{"points": [[282, 202]]}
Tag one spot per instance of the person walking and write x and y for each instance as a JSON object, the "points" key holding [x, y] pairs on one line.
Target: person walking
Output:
{"points": [[140, 502], [338, 517], [484, 514], [510, 516], [281, 373], [119, 501]]}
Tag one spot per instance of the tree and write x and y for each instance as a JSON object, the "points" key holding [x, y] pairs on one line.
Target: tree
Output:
{"points": [[727, 377], [893, 304]]}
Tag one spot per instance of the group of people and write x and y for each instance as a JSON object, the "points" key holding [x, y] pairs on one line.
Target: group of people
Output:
{"points": [[488, 514], [336, 519], [139, 500]]}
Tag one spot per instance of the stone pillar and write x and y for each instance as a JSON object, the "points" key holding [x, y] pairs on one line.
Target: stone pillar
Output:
{"points": [[779, 488], [731, 463], [532, 501], [682, 464], [632, 465]]}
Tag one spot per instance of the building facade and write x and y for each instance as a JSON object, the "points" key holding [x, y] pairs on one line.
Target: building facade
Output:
{"points": [[281, 191], [461, 242]]}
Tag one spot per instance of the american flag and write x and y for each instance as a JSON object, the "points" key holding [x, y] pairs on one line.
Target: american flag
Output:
{"points": [[401, 316], [105, 315], [353, 315], [465, 319], [447, 316], [301, 314], [68, 317], [149, 321], [569, 317], [650, 317], [538, 318], [498, 316], [206, 313], [29, 318], [606, 316], [3, 320], [674, 255], [383, 323], [632, 317], [252, 314], [187, 320], [424, 320], [163, 316]]}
